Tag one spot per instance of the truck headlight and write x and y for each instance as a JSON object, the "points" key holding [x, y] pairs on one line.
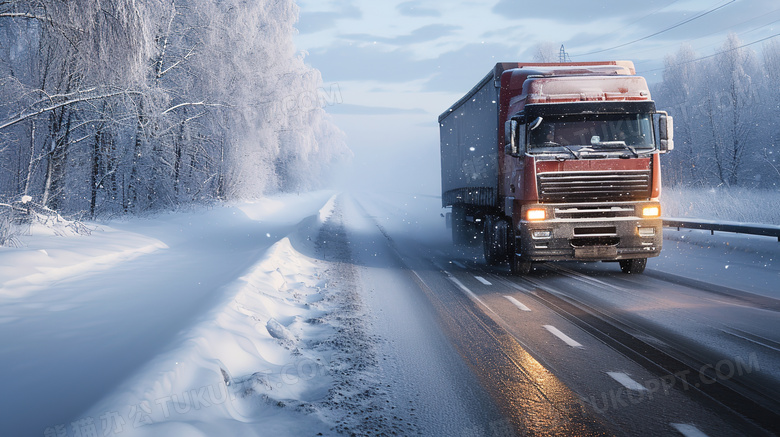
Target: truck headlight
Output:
{"points": [[651, 211], [534, 215]]}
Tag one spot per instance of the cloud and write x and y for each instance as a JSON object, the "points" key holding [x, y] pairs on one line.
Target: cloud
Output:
{"points": [[310, 22], [572, 11], [368, 63], [346, 108], [504, 32], [459, 70], [413, 9], [423, 34], [455, 71]]}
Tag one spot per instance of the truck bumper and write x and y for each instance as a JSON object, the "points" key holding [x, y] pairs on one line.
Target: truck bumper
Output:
{"points": [[590, 239]]}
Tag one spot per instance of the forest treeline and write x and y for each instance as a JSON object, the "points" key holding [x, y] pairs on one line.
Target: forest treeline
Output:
{"points": [[124, 106], [726, 108]]}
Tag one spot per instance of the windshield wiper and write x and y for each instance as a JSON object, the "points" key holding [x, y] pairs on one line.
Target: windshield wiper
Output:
{"points": [[575, 154], [616, 144], [568, 149], [631, 149]]}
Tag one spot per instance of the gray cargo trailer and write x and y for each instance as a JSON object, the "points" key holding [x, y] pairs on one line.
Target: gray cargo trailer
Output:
{"points": [[469, 137]]}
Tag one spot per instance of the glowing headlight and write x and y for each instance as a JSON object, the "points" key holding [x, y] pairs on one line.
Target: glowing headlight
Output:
{"points": [[535, 214], [651, 211]]}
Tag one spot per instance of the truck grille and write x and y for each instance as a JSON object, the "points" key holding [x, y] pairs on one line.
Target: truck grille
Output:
{"points": [[587, 186], [608, 211]]}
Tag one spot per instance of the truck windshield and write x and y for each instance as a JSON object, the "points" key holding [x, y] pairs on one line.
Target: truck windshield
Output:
{"points": [[593, 131]]}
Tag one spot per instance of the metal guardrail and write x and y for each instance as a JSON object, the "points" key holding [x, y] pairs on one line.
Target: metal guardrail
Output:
{"points": [[739, 228]]}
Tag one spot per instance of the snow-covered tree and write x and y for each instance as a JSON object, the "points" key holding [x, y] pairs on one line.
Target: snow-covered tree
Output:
{"points": [[678, 92], [734, 73], [546, 52], [725, 111], [126, 105], [771, 108]]}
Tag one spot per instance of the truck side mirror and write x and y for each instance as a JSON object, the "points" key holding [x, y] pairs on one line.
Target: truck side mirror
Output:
{"points": [[666, 132], [510, 136], [515, 138]]}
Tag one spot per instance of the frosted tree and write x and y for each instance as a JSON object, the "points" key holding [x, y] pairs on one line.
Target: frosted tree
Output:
{"points": [[545, 52], [76, 55], [127, 105], [771, 106], [734, 71], [680, 96], [726, 112]]}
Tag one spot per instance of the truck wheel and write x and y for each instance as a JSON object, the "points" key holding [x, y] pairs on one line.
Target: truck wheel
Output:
{"points": [[488, 242], [496, 240], [520, 266], [633, 266], [460, 233]]}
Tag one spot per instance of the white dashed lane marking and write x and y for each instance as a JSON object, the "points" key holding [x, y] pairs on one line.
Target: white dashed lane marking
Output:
{"points": [[566, 339], [517, 303], [626, 381], [482, 280], [466, 290], [688, 430]]}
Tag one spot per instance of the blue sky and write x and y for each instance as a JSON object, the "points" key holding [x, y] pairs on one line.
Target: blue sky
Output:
{"points": [[398, 64]]}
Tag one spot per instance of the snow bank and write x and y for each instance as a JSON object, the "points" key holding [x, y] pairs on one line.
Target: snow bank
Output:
{"points": [[730, 204], [185, 323], [286, 208], [55, 253], [256, 366], [743, 262], [327, 210]]}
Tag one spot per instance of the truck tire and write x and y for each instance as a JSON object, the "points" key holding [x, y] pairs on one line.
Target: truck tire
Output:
{"points": [[520, 266], [495, 241], [633, 266]]}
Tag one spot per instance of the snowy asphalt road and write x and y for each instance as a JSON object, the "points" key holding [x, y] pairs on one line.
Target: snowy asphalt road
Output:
{"points": [[579, 348], [426, 378]]}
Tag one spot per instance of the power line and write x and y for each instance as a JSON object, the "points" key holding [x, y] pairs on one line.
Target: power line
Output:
{"points": [[635, 21], [656, 48], [716, 54], [661, 31]]}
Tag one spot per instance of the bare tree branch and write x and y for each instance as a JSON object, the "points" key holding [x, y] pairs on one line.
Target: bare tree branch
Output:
{"points": [[175, 64], [30, 16], [180, 105], [60, 105]]}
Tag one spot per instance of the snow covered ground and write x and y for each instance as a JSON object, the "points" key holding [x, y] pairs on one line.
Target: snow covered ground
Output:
{"points": [[749, 263], [745, 205], [258, 319], [211, 322]]}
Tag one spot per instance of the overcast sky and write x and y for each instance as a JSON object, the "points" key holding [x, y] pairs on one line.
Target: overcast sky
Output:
{"points": [[399, 64]]}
